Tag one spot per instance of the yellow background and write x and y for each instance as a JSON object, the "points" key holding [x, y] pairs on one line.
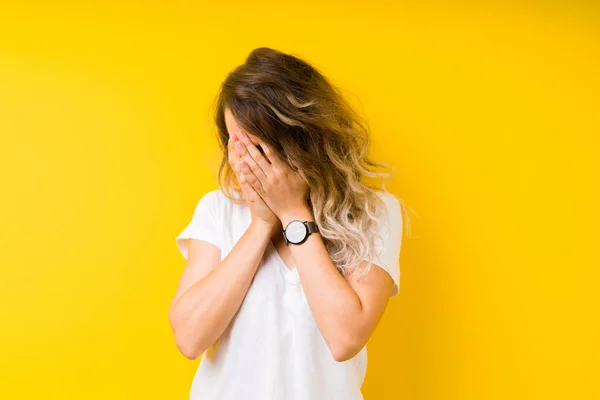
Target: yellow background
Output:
{"points": [[488, 112]]}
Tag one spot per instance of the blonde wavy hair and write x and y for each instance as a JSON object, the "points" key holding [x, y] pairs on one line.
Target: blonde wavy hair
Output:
{"points": [[305, 119]]}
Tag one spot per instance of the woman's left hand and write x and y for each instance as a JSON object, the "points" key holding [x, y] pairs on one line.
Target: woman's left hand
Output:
{"points": [[284, 189]]}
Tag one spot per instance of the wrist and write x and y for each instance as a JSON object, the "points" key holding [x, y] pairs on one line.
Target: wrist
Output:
{"points": [[301, 214], [262, 227]]}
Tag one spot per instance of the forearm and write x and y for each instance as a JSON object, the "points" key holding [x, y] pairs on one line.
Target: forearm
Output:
{"points": [[205, 310], [335, 305]]}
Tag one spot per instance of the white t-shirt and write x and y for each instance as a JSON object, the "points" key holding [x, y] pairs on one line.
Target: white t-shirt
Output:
{"points": [[273, 349]]}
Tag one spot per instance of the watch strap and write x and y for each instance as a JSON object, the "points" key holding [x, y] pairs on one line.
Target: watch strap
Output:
{"points": [[312, 226]]}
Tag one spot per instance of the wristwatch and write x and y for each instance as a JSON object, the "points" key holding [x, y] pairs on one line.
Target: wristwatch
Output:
{"points": [[297, 231]]}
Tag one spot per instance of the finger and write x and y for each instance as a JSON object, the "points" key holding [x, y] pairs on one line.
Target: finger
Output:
{"points": [[257, 156], [248, 190], [233, 157], [250, 177], [272, 157], [256, 169]]}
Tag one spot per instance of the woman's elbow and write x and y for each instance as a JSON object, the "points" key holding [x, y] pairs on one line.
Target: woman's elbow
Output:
{"points": [[188, 350], [344, 350], [342, 354], [190, 347], [185, 344]]}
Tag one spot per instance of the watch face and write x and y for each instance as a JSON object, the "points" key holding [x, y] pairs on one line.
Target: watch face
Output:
{"points": [[296, 231]]}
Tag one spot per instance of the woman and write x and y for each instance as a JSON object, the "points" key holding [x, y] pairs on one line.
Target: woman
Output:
{"points": [[290, 265]]}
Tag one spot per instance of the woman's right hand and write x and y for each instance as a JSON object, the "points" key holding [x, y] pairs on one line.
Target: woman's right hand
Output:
{"points": [[261, 213]]}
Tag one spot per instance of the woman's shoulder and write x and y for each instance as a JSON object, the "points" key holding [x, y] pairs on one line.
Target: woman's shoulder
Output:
{"points": [[215, 199], [219, 202], [215, 195], [393, 206], [390, 199], [385, 194]]}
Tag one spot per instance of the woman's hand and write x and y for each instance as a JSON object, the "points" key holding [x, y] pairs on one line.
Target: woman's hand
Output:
{"points": [[283, 189], [261, 213]]}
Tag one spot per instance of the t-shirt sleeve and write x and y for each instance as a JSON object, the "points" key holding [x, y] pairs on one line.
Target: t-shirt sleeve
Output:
{"points": [[204, 224], [388, 248]]}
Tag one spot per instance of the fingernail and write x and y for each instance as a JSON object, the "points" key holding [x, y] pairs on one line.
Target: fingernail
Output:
{"points": [[239, 147]]}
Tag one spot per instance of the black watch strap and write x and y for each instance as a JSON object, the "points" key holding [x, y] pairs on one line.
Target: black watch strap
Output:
{"points": [[312, 226]]}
